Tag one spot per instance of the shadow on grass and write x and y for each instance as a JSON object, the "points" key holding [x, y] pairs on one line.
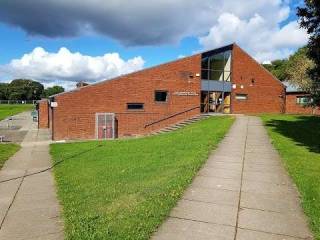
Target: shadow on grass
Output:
{"points": [[304, 130]]}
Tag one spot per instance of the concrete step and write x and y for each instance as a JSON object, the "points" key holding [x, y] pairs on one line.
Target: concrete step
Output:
{"points": [[180, 125]]}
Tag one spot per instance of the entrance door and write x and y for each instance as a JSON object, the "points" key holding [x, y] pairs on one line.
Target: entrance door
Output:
{"points": [[227, 102], [211, 102], [105, 125]]}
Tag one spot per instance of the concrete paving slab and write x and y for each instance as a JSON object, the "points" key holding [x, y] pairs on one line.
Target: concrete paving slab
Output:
{"points": [[224, 165], [181, 229], [216, 196], [281, 203], [293, 225], [205, 212], [262, 167], [250, 186], [263, 162], [267, 177], [220, 173], [244, 234], [223, 158], [216, 183]]}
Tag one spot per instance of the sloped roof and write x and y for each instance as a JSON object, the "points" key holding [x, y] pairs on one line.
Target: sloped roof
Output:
{"points": [[290, 88]]}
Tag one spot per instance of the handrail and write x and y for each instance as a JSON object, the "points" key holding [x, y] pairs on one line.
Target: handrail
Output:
{"points": [[171, 116]]}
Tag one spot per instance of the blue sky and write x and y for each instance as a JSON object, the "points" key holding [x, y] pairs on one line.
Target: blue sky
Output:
{"points": [[100, 40], [17, 42]]}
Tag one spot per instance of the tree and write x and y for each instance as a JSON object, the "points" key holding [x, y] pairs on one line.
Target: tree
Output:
{"points": [[278, 69], [24, 89], [3, 91], [297, 68], [309, 16], [294, 69], [52, 91]]}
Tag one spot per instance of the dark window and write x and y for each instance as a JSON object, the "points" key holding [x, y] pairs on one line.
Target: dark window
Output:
{"points": [[242, 97], [217, 62], [217, 67], [160, 96], [135, 106], [204, 74], [205, 63]]}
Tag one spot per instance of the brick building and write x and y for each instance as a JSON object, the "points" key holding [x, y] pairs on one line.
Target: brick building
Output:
{"points": [[297, 101], [224, 80]]}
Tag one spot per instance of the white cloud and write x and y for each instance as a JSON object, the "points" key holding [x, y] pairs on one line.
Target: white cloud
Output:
{"points": [[263, 40], [65, 67], [257, 25], [289, 36], [255, 35]]}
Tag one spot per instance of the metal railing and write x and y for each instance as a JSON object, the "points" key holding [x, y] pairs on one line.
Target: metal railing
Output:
{"points": [[171, 116]]}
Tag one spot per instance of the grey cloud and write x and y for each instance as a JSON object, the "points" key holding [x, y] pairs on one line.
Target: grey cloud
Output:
{"points": [[131, 22]]}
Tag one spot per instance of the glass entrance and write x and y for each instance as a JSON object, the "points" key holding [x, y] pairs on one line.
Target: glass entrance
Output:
{"points": [[216, 80], [215, 102]]}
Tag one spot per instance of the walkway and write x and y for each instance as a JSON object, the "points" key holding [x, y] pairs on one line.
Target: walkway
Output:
{"points": [[28, 206], [241, 193]]}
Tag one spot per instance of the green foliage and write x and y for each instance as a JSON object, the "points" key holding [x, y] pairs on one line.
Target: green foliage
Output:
{"points": [[6, 151], [3, 91], [124, 189], [24, 89], [310, 20], [297, 140], [297, 69], [294, 69], [52, 91], [278, 69], [7, 110]]}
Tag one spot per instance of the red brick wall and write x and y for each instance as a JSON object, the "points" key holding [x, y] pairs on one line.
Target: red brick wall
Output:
{"points": [[265, 95], [293, 108], [43, 115], [74, 117]]}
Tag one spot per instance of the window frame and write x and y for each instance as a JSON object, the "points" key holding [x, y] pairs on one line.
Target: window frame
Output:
{"points": [[301, 103], [242, 95], [161, 91], [135, 109], [207, 69]]}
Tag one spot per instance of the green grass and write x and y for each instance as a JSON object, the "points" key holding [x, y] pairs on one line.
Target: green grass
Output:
{"points": [[124, 189], [7, 110], [297, 139], [6, 151]]}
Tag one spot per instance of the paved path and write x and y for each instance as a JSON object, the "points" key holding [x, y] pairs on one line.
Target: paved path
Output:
{"points": [[28, 206], [241, 193]]}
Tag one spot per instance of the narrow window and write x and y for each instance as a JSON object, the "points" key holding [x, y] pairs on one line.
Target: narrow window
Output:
{"points": [[161, 96], [135, 106], [242, 97]]}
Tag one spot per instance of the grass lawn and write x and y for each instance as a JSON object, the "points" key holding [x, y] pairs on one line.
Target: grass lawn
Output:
{"points": [[6, 151], [297, 139], [7, 110], [124, 189]]}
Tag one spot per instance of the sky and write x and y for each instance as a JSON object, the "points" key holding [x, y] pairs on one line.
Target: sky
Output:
{"points": [[61, 42]]}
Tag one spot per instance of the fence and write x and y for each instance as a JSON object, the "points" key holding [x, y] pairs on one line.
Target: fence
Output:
{"points": [[18, 101]]}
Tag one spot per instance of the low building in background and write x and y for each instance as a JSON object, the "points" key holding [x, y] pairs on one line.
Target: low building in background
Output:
{"points": [[297, 101], [224, 80]]}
